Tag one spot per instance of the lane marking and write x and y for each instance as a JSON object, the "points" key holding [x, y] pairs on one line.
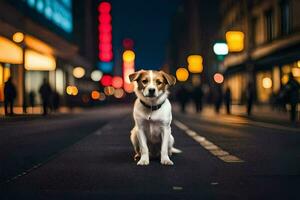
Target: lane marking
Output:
{"points": [[209, 146]]}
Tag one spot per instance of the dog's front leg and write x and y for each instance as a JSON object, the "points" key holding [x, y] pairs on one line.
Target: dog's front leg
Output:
{"points": [[144, 160], [164, 154]]}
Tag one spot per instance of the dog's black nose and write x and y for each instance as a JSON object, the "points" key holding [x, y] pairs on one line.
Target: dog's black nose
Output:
{"points": [[151, 91]]}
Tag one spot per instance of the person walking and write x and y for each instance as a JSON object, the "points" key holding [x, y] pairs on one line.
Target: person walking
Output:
{"points": [[197, 96], [45, 92], [250, 97], [183, 96], [227, 98], [9, 96], [292, 95], [218, 98]]}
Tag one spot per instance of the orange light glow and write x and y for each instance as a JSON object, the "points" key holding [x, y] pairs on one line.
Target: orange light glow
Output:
{"points": [[78, 72], [72, 90], [235, 41], [119, 93], [267, 83], [95, 95], [109, 90], [10, 52], [182, 74], [195, 63], [40, 62]]}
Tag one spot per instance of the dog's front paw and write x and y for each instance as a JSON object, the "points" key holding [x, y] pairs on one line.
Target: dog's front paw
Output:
{"points": [[166, 161], [143, 161]]}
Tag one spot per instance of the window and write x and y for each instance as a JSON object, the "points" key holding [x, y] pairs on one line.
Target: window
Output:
{"points": [[285, 17], [269, 25]]}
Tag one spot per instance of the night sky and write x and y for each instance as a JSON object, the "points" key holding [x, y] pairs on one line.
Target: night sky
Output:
{"points": [[148, 24]]}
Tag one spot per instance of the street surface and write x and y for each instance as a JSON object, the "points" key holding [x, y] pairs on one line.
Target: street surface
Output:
{"points": [[88, 155]]}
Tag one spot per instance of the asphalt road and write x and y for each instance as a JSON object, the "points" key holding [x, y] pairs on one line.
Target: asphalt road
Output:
{"points": [[88, 156]]}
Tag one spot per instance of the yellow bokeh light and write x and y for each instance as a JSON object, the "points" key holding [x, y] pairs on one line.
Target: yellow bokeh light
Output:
{"points": [[128, 56], [235, 41], [195, 63], [182, 74], [286, 69], [18, 37], [78, 72], [296, 72], [10, 52], [285, 79], [267, 83], [72, 90], [298, 63]]}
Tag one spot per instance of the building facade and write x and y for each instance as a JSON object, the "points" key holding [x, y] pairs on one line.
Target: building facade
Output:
{"points": [[46, 49], [271, 46]]}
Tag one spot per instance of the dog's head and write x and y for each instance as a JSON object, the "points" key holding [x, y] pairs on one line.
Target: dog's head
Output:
{"points": [[152, 84]]}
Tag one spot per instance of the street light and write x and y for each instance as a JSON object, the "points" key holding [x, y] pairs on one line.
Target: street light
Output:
{"points": [[235, 41], [195, 63], [220, 49], [182, 74], [218, 78], [18, 37]]}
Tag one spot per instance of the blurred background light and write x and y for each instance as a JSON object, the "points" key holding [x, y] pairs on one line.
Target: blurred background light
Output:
{"points": [[235, 41], [218, 78], [195, 63], [10, 52], [72, 90], [96, 75], [284, 79], [296, 72], [117, 82], [78, 72], [104, 7], [39, 62], [105, 67], [95, 95], [298, 63], [102, 96], [109, 90], [18, 37], [106, 80], [267, 83], [128, 56], [182, 74], [220, 48], [128, 43], [119, 93]]}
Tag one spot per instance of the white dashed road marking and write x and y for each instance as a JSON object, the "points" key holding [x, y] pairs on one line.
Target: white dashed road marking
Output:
{"points": [[211, 147]]}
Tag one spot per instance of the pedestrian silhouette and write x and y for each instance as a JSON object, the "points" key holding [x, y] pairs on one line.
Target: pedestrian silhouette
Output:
{"points": [[218, 98], [183, 97], [227, 98], [197, 96], [9, 96], [45, 92], [292, 95], [250, 97], [32, 99]]}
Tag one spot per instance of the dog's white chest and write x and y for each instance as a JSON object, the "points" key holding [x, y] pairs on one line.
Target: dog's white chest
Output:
{"points": [[153, 131]]}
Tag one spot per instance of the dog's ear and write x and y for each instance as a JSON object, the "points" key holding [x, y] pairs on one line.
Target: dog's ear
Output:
{"points": [[171, 80], [134, 76]]}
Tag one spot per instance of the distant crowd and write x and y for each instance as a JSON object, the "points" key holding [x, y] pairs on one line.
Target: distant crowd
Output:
{"points": [[288, 94]]}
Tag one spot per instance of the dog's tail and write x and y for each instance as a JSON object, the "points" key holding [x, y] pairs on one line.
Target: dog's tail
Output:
{"points": [[175, 150]]}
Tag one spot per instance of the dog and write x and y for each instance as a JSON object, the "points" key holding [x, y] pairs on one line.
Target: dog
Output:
{"points": [[151, 135]]}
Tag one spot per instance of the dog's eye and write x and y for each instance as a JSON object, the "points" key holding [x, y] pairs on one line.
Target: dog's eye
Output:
{"points": [[158, 82], [145, 81]]}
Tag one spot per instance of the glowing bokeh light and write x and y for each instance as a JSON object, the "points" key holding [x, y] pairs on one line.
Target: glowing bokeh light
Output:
{"points": [[96, 75], [78, 72], [218, 78], [119, 93], [72, 90], [109, 90], [235, 41], [267, 83], [106, 80], [128, 43], [182, 74], [296, 72], [104, 7], [117, 82], [102, 96], [95, 95], [18, 37], [128, 56], [220, 49], [195, 63]]}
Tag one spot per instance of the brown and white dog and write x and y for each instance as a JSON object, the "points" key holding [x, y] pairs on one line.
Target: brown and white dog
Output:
{"points": [[151, 135]]}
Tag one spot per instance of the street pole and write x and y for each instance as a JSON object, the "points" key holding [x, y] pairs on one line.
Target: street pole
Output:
{"points": [[23, 45]]}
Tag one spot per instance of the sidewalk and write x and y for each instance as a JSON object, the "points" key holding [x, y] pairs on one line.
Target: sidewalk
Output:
{"points": [[261, 113]]}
